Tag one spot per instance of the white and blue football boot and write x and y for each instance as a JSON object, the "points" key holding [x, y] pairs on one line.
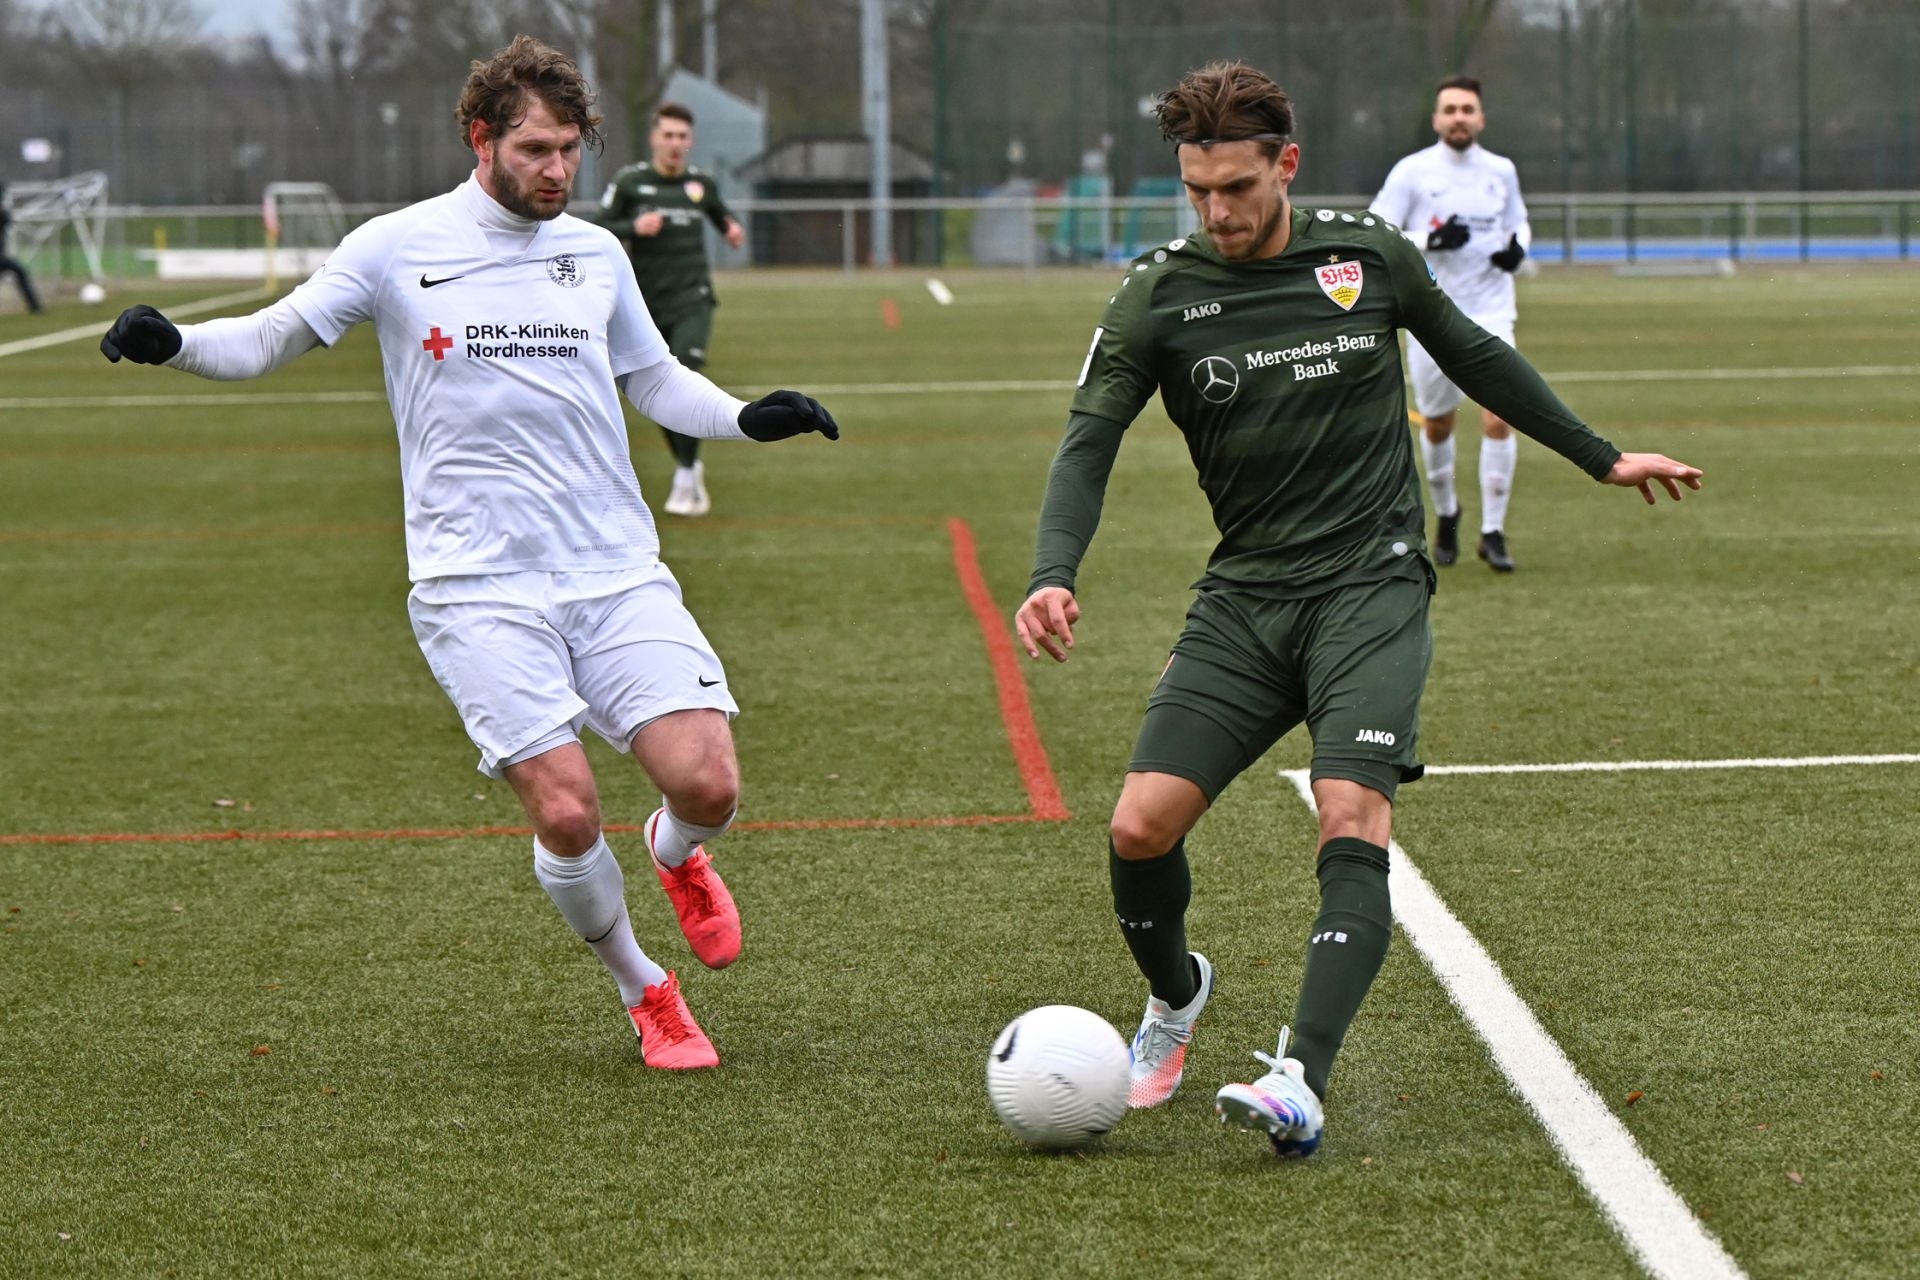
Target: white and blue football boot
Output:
{"points": [[1278, 1104]]}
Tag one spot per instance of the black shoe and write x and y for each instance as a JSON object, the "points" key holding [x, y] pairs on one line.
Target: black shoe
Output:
{"points": [[1446, 539], [1493, 549]]}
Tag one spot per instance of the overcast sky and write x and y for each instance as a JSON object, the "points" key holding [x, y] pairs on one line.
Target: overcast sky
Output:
{"points": [[245, 17]]}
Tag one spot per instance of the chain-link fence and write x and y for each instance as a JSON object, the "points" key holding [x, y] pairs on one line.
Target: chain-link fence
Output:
{"points": [[1583, 97]]}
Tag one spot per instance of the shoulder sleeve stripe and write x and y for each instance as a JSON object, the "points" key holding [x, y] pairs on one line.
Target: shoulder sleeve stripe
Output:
{"points": [[1087, 364]]}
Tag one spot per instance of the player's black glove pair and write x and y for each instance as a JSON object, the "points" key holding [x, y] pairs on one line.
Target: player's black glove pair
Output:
{"points": [[1453, 233], [1509, 258], [141, 335], [780, 414], [144, 336]]}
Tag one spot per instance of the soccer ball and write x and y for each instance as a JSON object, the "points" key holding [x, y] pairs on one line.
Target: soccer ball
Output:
{"points": [[92, 294], [1058, 1077]]}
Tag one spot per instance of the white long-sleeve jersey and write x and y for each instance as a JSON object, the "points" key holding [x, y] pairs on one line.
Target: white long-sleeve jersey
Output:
{"points": [[1481, 189], [505, 344]]}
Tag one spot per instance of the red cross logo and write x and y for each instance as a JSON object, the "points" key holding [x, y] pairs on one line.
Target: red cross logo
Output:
{"points": [[438, 343]]}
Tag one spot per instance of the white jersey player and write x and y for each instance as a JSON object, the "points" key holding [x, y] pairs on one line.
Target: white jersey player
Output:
{"points": [[508, 331], [1461, 204]]}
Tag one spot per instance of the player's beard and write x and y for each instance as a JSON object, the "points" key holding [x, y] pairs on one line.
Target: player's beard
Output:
{"points": [[1261, 235], [1459, 137], [525, 202]]}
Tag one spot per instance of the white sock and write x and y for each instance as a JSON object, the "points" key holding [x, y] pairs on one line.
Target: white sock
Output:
{"points": [[1439, 462], [591, 895], [1496, 481], [674, 838]]}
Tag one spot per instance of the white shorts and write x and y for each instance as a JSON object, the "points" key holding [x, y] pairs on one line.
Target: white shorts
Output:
{"points": [[530, 657], [1433, 394]]}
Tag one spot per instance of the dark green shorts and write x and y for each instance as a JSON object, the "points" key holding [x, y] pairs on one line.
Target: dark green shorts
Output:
{"points": [[687, 337], [1351, 663]]}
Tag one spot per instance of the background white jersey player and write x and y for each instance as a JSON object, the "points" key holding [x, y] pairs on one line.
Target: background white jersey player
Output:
{"points": [[1461, 204], [508, 330]]}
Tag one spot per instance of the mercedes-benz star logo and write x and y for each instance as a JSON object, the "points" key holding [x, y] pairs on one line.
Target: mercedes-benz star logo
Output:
{"points": [[1216, 379]]}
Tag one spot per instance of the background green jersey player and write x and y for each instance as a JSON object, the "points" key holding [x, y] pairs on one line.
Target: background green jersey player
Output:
{"points": [[657, 208], [1271, 336]]}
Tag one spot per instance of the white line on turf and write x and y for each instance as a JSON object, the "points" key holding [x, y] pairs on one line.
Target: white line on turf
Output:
{"points": [[161, 402], [97, 329], [830, 389], [1630, 1189], [1636, 766], [997, 387], [1733, 375]]}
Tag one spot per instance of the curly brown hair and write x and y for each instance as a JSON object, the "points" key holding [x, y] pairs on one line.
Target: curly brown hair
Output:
{"points": [[1226, 102], [496, 91]]}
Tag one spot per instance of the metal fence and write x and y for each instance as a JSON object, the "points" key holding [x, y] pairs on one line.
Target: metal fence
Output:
{"points": [[1030, 232], [1584, 95]]}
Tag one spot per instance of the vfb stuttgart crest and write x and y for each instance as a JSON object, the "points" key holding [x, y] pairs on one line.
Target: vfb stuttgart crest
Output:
{"points": [[1341, 281], [564, 270], [695, 189]]}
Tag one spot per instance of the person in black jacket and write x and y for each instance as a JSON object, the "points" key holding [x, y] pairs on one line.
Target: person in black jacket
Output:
{"points": [[8, 266]]}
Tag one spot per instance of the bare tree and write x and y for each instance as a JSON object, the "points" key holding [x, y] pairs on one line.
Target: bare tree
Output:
{"points": [[121, 46]]}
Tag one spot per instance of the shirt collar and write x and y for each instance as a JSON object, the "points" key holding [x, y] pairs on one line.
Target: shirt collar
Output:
{"points": [[490, 213]]}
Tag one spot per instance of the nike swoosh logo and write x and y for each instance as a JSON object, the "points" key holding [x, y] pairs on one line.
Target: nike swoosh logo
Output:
{"points": [[428, 284], [1007, 1052], [706, 683]]}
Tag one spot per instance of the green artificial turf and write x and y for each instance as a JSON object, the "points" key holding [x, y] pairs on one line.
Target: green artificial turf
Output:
{"points": [[388, 1056]]}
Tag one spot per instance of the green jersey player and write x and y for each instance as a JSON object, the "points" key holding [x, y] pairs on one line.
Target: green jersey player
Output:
{"points": [[657, 208], [1271, 336]]}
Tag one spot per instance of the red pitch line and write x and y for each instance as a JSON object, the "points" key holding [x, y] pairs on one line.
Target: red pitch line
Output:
{"points": [[1023, 735]]}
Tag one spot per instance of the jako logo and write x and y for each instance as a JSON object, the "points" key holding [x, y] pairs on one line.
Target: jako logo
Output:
{"points": [[1201, 312], [1380, 736]]}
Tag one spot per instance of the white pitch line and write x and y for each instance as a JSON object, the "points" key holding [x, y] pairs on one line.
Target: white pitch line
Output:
{"points": [[161, 402], [1636, 1197], [1000, 387], [1733, 375], [1635, 766], [829, 390], [99, 328]]}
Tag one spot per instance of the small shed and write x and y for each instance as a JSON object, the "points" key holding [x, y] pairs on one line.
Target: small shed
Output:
{"points": [[838, 169]]}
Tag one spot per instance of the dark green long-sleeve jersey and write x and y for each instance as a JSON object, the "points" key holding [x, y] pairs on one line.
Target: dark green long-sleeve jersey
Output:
{"points": [[1284, 375], [671, 266]]}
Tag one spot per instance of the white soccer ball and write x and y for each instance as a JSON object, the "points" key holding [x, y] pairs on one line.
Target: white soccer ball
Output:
{"points": [[1058, 1076], [92, 294]]}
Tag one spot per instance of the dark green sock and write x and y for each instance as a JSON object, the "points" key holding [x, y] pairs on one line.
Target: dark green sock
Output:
{"points": [[1349, 941], [686, 449], [1150, 896]]}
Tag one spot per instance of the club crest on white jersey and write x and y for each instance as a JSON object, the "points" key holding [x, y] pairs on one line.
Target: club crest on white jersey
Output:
{"points": [[1342, 282]]}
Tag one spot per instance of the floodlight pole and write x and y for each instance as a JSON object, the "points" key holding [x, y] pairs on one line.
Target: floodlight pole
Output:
{"points": [[663, 13], [1806, 112], [586, 37], [873, 96], [710, 39]]}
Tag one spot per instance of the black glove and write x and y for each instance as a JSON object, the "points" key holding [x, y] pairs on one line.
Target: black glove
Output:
{"points": [[143, 336], [1450, 234], [1509, 258], [780, 414]]}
